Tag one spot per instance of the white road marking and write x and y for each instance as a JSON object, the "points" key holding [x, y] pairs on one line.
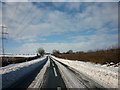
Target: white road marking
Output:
{"points": [[53, 64], [55, 72], [58, 88]]}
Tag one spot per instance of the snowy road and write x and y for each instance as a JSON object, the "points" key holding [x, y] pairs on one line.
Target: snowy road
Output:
{"points": [[59, 75], [28, 78], [52, 73], [75, 79], [52, 77]]}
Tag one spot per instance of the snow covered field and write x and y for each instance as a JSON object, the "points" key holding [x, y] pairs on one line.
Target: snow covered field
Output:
{"points": [[103, 75], [18, 55], [13, 72]]}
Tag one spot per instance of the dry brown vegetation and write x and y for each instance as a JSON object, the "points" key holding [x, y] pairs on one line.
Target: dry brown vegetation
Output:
{"points": [[12, 60], [98, 56]]}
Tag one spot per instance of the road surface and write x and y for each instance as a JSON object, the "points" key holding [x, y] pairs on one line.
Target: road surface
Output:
{"points": [[56, 75], [53, 77]]}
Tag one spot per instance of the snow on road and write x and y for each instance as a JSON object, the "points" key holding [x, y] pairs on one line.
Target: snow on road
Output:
{"points": [[71, 80], [103, 75], [39, 80], [11, 73]]}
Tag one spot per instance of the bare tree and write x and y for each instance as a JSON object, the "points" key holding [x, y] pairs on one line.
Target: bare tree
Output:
{"points": [[41, 51], [55, 52], [69, 52]]}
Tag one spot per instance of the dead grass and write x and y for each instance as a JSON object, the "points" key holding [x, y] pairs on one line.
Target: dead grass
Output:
{"points": [[12, 60], [98, 56]]}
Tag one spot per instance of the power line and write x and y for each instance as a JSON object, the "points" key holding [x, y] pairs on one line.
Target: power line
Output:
{"points": [[29, 17], [24, 18], [3, 38], [17, 6], [25, 27]]}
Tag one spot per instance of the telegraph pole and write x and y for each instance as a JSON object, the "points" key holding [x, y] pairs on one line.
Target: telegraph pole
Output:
{"points": [[3, 38]]}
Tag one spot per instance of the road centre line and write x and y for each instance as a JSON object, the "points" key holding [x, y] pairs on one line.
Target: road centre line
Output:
{"points": [[58, 88], [53, 64], [55, 72]]}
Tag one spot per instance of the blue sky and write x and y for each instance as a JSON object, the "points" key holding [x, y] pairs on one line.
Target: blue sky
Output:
{"points": [[79, 26]]}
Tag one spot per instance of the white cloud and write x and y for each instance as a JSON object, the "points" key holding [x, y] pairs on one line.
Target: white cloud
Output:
{"points": [[46, 22], [14, 0], [73, 6], [59, 0], [101, 36], [0, 13], [27, 23], [63, 47], [32, 47]]}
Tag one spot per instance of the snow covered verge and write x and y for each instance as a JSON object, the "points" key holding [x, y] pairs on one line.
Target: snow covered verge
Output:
{"points": [[103, 75], [18, 55], [39, 79], [11, 73]]}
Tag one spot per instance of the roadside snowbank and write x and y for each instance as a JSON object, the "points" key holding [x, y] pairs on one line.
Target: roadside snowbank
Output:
{"points": [[12, 73], [18, 55], [103, 75], [39, 79]]}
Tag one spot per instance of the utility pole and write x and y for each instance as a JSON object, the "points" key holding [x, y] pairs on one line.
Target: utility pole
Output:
{"points": [[3, 38]]}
